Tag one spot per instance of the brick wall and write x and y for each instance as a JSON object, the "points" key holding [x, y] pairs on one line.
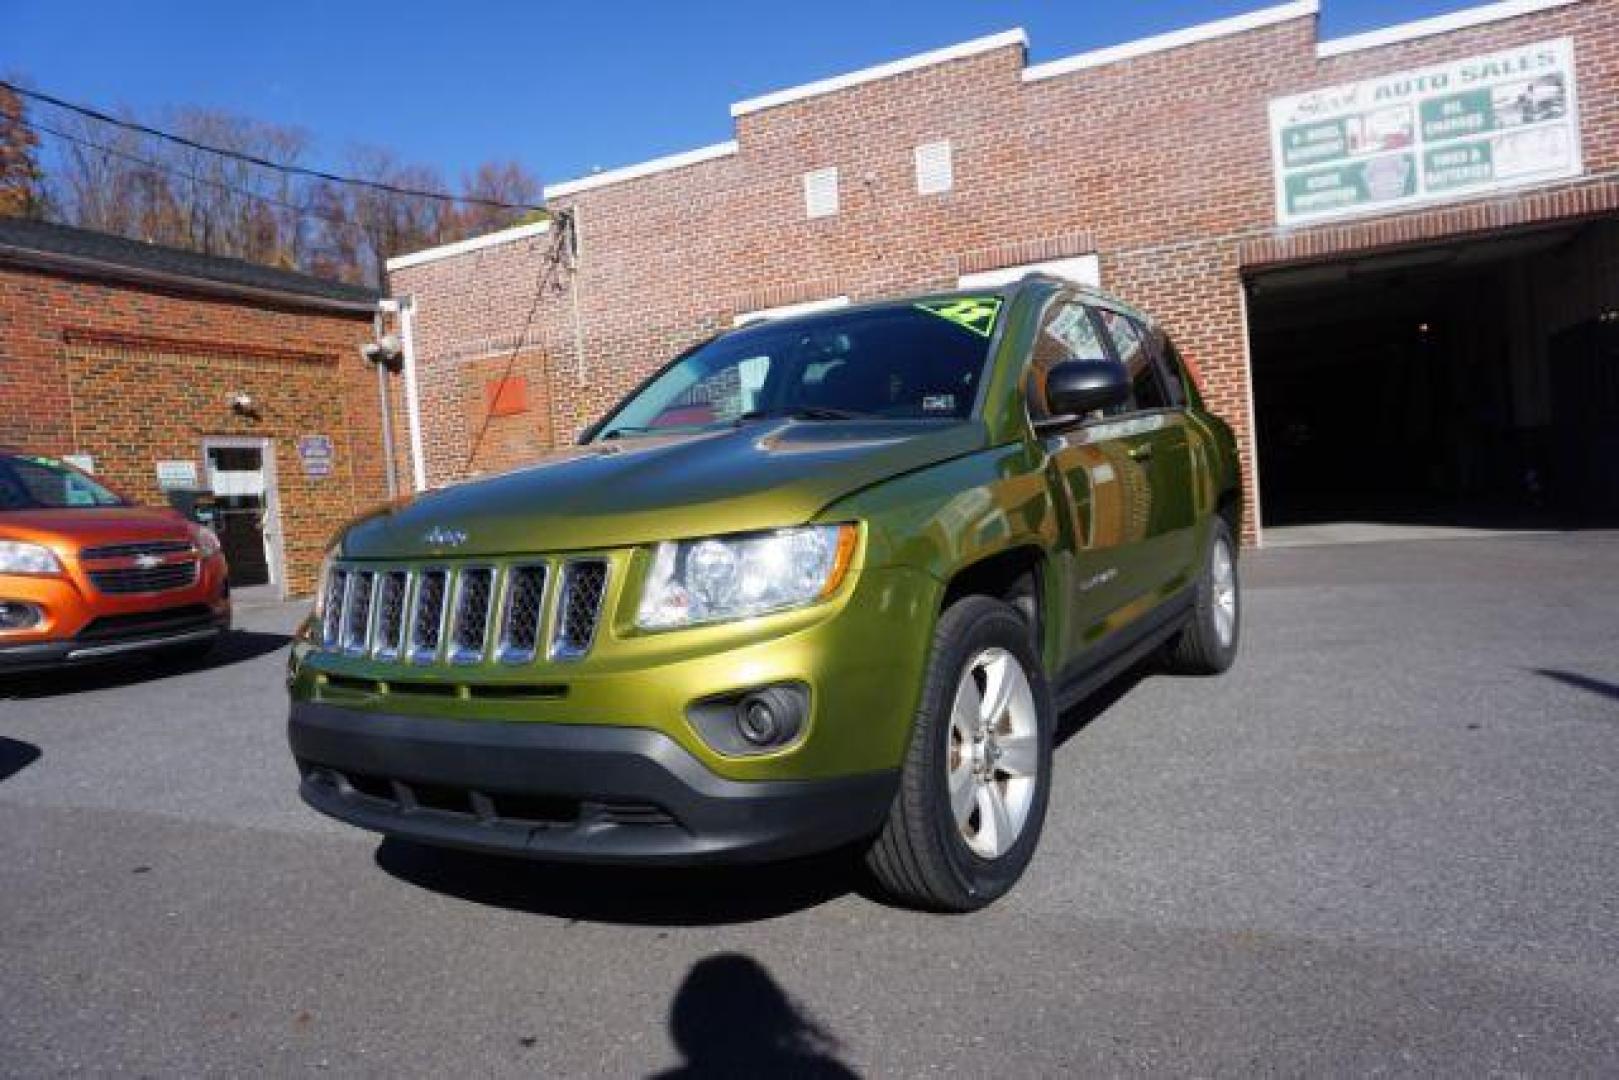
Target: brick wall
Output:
{"points": [[132, 376], [1160, 164]]}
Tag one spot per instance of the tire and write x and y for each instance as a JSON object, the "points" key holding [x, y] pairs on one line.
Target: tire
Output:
{"points": [[1209, 643], [924, 857]]}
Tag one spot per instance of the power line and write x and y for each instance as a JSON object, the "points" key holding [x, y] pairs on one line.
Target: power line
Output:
{"points": [[559, 246], [46, 129], [299, 170]]}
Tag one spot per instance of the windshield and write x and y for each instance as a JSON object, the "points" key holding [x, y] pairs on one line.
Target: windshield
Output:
{"points": [[921, 361], [37, 483]]}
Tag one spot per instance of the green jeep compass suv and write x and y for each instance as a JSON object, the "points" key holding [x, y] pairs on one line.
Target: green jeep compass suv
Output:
{"points": [[819, 581]]}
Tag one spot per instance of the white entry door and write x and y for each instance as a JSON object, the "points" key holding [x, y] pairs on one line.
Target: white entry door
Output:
{"points": [[241, 474]]}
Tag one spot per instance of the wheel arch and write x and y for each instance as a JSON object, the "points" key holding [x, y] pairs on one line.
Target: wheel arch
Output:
{"points": [[1018, 575]]}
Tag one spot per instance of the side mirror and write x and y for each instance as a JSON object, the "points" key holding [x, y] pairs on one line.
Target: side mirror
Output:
{"points": [[1077, 387]]}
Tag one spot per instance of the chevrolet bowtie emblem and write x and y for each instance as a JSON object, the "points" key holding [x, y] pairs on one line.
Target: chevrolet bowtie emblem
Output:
{"points": [[147, 562], [441, 536]]}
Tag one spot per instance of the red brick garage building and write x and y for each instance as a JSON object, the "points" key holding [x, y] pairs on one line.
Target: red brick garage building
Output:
{"points": [[164, 369], [1393, 257]]}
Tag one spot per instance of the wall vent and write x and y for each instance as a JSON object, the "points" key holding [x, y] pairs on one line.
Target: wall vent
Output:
{"points": [[821, 193], [934, 175]]}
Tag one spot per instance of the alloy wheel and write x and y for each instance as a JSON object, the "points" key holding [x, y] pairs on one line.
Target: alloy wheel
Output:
{"points": [[994, 759]]}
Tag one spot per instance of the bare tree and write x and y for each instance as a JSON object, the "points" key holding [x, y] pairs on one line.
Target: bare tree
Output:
{"points": [[113, 179], [502, 182], [21, 193]]}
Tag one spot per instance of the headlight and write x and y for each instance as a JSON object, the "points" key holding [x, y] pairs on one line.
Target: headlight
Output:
{"points": [[734, 577], [207, 540], [17, 557]]}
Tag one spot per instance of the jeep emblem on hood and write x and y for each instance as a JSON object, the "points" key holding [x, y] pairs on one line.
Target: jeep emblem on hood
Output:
{"points": [[440, 536]]}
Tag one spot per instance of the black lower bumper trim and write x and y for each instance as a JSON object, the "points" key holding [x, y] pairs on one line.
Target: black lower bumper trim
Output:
{"points": [[45, 655], [588, 793]]}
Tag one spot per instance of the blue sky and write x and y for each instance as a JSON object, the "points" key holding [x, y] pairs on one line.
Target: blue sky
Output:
{"points": [[561, 87]]}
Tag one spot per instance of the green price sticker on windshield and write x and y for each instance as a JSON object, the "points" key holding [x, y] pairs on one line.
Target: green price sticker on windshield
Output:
{"points": [[975, 313]]}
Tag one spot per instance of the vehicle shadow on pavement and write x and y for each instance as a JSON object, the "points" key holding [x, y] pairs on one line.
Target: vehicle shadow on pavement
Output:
{"points": [[709, 896], [730, 1018], [235, 647], [1077, 718], [15, 756]]}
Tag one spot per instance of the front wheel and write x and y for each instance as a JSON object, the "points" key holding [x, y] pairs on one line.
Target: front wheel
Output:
{"points": [[977, 776]]}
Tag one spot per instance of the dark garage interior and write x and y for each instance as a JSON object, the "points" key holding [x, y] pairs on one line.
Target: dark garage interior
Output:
{"points": [[1470, 384]]}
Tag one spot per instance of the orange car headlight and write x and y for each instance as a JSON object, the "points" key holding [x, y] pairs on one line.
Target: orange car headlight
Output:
{"points": [[21, 557]]}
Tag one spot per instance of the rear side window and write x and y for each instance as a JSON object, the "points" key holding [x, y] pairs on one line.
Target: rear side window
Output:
{"points": [[1129, 341], [1173, 371]]}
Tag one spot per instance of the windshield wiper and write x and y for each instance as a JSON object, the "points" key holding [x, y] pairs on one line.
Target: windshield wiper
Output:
{"points": [[630, 429], [806, 412]]}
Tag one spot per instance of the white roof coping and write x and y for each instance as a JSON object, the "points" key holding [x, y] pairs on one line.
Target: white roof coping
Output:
{"points": [[461, 247], [1439, 24], [1175, 39], [644, 168], [882, 71]]}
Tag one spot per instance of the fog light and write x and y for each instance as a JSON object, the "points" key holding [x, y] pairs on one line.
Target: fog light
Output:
{"points": [[757, 721], [752, 721], [17, 615]]}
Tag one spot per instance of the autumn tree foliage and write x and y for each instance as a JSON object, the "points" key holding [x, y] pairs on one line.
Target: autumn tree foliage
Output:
{"points": [[20, 180], [113, 179]]}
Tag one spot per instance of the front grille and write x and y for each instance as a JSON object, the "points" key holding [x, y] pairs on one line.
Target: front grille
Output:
{"points": [[465, 615], [138, 580], [584, 587], [135, 623], [140, 547]]}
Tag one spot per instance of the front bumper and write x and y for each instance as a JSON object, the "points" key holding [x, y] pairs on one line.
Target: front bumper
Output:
{"points": [[147, 635], [576, 792]]}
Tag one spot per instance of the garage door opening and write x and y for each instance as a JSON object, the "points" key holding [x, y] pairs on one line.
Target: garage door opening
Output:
{"points": [[1464, 384]]}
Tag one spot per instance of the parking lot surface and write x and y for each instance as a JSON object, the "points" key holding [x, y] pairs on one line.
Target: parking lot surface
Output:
{"points": [[1384, 842]]}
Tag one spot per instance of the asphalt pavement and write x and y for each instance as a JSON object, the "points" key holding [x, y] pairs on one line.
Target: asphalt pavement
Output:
{"points": [[1385, 842]]}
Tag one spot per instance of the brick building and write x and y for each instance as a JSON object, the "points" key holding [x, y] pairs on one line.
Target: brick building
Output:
{"points": [[165, 370], [1422, 220]]}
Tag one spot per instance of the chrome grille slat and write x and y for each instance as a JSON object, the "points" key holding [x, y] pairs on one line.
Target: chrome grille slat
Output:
{"points": [[580, 597], [139, 547], [336, 589], [356, 631], [392, 589], [427, 615], [469, 625], [522, 610]]}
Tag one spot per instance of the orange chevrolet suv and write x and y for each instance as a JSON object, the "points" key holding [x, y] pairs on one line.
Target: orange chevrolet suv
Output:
{"points": [[85, 575]]}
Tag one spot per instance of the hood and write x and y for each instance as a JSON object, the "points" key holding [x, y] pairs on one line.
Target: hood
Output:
{"points": [[633, 491], [69, 530]]}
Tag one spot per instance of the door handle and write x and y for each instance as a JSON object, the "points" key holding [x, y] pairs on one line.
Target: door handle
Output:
{"points": [[1141, 453]]}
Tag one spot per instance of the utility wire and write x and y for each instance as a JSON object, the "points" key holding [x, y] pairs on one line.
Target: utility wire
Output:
{"points": [[559, 247], [377, 185], [46, 129]]}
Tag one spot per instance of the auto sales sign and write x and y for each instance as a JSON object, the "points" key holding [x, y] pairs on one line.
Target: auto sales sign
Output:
{"points": [[1487, 123]]}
